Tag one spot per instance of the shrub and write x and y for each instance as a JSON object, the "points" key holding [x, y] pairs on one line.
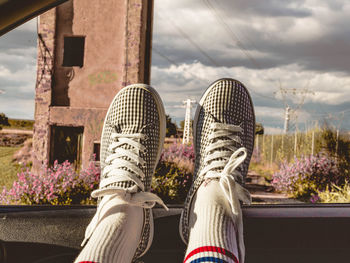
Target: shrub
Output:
{"points": [[337, 194], [338, 148], [171, 129], [178, 150], [173, 176], [4, 120], [62, 185], [57, 185], [307, 175], [21, 124]]}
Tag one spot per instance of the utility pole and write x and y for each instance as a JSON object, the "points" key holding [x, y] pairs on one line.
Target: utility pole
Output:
{"points": [[271, 156], [187, 127], [295, 142], [337, 144], [313, 143]]}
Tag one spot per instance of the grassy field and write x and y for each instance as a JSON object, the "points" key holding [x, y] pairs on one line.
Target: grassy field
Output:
{"points": [[20, 124], [263, 169], [8, 170]]}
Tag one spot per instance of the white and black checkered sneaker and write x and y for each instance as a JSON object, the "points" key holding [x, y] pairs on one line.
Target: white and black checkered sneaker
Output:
{"points": [[131, 143], [223, 132]]}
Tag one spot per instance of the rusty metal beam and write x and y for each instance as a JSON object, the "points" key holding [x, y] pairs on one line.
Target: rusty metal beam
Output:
{"points": [[16, 12]]}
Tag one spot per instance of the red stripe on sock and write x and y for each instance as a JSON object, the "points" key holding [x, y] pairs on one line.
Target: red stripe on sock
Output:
{"points": [[212, 249], [87, 262]]}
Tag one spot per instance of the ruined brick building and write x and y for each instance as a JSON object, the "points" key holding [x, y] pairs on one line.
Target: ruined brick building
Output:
{"points": [[87, 51]]}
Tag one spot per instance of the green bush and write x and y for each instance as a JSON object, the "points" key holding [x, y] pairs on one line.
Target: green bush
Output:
{"points": [[306, 176], [173, 176], [56, 185], [171, 183], [337, 148], [336, 194], [21, 124], [4, 120]]}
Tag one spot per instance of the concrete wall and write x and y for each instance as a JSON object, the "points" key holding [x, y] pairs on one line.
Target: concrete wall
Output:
{"points": [[117, 53], [46, 44], [103, 25]]}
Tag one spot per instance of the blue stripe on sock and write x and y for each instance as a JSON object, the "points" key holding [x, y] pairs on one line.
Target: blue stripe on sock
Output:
{"points": [[208, 259]]}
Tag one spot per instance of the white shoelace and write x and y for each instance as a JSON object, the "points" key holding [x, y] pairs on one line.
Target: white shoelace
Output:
{"points": [[229, 159], [115, 172]]}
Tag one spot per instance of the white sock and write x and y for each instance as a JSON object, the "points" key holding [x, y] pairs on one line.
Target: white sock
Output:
{"points": [[116, 237], [212, 231]]}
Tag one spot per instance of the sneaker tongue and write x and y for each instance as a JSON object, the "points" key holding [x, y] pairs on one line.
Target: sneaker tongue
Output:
{"points": [[124, 184], [125, 127], [226, 159]]}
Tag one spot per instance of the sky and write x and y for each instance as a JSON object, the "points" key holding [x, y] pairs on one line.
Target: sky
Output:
{"points": [[18, 71], [298, 48], [268, 45]]}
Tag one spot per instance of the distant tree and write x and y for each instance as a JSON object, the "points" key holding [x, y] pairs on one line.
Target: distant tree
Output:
{"points": [[259, 128], [4, 121], [171, 128], [182, 124]]}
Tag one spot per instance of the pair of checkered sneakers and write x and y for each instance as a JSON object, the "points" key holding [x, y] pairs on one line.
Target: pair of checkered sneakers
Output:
{"points": [[132, 142]]}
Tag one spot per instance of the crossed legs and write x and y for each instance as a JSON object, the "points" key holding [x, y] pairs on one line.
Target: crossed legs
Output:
{"points": [[132, 138]]}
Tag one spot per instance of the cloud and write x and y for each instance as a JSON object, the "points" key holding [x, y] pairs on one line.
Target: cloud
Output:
{"points": [[268, 45], [262, 112], [29, 26], [256, 34], [22, 37], [17, 108], [273, 130], [177, 83], [18, 71], [263, 84]]}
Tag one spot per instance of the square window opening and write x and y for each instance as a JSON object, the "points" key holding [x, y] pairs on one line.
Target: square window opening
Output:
{"points": [[73, 52], [66, 144]]}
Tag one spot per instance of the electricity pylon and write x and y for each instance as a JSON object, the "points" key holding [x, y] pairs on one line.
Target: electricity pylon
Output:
{"points": [[286, 120], [187, 127], [289, 111]]}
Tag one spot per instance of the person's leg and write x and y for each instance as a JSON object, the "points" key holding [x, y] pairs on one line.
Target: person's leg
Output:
{"points": [[131, 144], [117, 235], [211, 222], [212, 231]]}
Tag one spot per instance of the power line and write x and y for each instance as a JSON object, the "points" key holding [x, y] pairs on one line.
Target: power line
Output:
{"points": [[236, 39], [223, 11], [329, 114], [228, 29], [243, 49], [189, 39], [205, 82], [205, 54], [293, 111]]}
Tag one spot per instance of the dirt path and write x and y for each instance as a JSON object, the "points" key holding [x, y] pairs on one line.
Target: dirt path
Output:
{"points": [[16, 131], [262, 192]]}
